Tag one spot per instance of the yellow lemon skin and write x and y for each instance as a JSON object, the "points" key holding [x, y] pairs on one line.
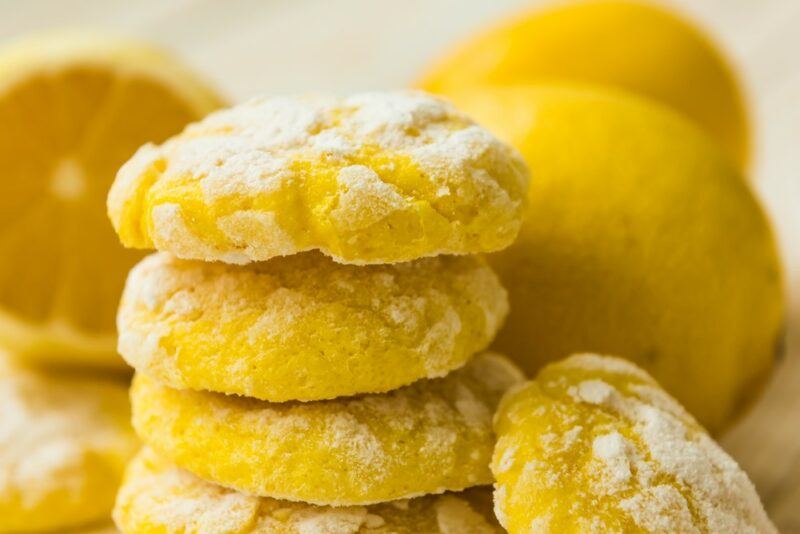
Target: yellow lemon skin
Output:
{"points": [[429, 437], [595, 445], [306, 328], [371, 178], [73, 108], [641, 241], [105, 527], [64, 443], [635, 46], [158, 497]]}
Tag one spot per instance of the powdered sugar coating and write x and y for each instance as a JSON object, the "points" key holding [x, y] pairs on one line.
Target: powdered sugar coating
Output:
{"points": [[304, 327], [594, 444], [372, 178], [64, 442], [157, 496], [429, 437]]}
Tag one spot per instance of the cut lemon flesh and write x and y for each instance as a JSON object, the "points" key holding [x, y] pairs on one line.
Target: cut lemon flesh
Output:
{"points": [[72, 110]]}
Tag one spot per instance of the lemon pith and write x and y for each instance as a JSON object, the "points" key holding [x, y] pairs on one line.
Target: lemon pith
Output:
{"points": [[72, 109]]}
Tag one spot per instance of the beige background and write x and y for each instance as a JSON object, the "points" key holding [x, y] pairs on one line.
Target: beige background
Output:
{"points": [[250, 46]]}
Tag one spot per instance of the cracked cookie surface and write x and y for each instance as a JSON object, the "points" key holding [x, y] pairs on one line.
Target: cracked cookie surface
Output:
{"points": [[304, 327], [372, 178], [595, 445], [429, 437], [157, 496]]}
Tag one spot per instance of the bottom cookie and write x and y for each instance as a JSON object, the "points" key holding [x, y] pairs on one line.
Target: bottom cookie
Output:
{"points": [[156, 496]]}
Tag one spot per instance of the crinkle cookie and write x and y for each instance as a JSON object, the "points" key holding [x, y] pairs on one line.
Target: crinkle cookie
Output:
{"points": [[304, 327], [429, 437], [64, 443], [157, 496], [372, 178], [595, 445]]}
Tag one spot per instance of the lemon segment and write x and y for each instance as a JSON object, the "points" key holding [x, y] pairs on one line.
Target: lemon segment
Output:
{"points": [[595, 445], [72, 109], [429, 437], [630, 45], [157, 497]]}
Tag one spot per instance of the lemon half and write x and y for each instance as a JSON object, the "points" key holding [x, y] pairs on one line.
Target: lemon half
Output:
{"points": [[73, 108]]}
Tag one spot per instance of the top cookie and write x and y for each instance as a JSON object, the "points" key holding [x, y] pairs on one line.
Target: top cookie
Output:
{"points": [[373, 178]]}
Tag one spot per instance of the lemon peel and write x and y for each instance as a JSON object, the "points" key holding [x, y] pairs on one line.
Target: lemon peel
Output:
{"points": [[372, 178], [625, 44], [595, 444], [157, 496], [642, 240], [64, 443], [429, 437], [304, 327]]}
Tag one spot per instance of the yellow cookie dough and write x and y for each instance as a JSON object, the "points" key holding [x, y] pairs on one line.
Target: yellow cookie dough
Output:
{"points": [[429, 437], [64, 443], [595, 445], [158, 497], [303, 327], [372, 178]]}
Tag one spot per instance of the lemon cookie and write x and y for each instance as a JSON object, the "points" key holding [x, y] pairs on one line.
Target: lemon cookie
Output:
{"points": [[595, 445], [373, 178], [429, 437], [156, 496], [64, 442], [304, 327]]}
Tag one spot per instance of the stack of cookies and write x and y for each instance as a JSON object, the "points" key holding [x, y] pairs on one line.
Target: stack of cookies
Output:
{"points": [[308, 339]]}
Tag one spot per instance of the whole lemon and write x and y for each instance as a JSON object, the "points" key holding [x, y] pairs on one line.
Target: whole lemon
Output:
{"points": [[641, 240], [630, 45]]}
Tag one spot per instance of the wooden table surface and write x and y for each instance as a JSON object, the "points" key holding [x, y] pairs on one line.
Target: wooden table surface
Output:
{"points": [[252, 46]]}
